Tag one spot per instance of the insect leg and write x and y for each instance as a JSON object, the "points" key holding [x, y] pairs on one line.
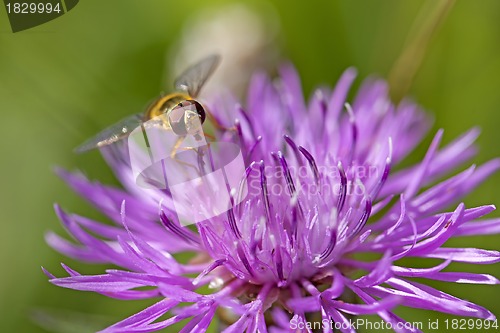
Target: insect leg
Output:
{"points": [[174, 151], [217, 124]]}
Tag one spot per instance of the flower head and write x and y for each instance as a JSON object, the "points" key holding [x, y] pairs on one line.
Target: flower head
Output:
{"points": [[324, 188]]}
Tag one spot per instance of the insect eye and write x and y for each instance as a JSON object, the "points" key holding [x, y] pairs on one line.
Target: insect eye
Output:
{"points": [[177, 116], [176, 120], [199, 109]]}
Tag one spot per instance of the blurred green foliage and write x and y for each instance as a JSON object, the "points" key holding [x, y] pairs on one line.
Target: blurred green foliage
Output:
{"points": [[63, 81]]}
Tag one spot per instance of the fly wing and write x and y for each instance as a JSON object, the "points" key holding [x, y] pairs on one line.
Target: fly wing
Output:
{"points": [[193, 78], [112, 134]]}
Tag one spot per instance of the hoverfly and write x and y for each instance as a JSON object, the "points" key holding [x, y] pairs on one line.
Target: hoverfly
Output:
{"points": [[180, 112]]}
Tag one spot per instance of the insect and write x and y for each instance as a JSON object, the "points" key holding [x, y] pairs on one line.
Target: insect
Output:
{"points": [[179, 111]]}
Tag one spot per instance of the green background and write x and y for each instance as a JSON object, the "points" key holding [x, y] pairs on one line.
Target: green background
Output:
{"points": [[63, 81]]}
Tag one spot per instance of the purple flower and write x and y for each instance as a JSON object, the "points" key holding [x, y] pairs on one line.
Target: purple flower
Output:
{"points": [[323, 189]]}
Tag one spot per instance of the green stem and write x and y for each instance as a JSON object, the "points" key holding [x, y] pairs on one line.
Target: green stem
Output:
{"points": [[430, 18]]}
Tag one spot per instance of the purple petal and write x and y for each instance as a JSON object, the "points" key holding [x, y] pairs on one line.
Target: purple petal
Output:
{"points": [[471, 255], [379, 274]]}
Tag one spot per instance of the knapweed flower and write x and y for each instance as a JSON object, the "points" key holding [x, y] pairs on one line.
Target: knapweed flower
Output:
{"points": [[324, 190]]}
